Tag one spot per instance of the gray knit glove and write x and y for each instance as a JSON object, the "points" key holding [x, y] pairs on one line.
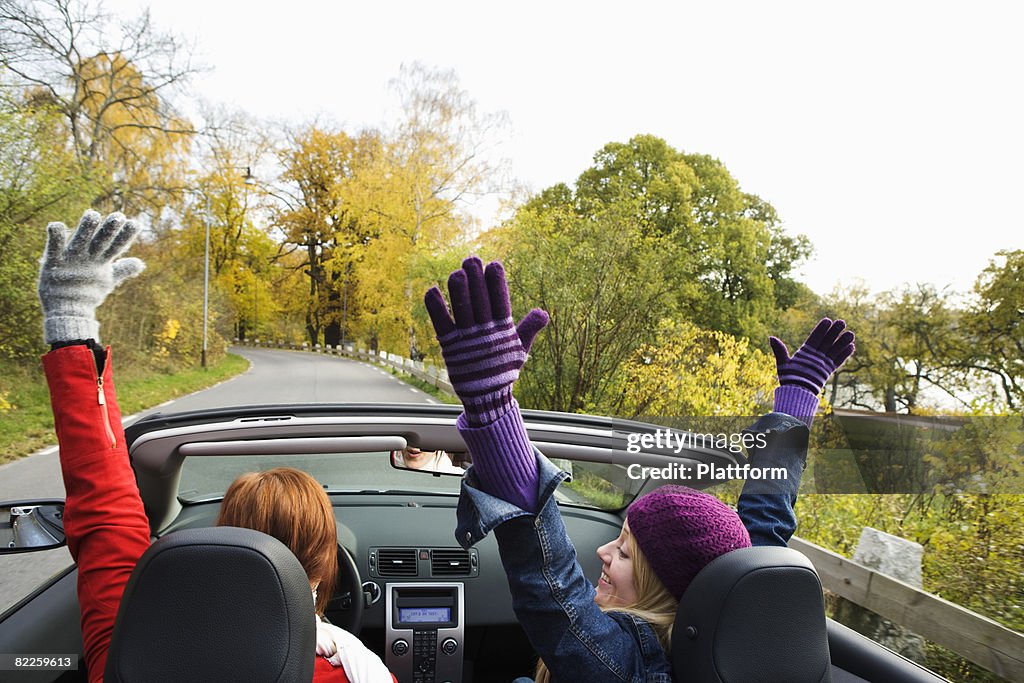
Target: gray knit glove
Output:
{"points": [[77, 276]]}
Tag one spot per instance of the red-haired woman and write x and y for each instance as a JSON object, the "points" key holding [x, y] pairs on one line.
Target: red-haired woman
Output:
{"points": [[104, 520]]}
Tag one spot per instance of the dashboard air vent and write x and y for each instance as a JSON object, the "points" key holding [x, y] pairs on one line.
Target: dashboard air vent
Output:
{"points": [[449, 562], [396, 561]]}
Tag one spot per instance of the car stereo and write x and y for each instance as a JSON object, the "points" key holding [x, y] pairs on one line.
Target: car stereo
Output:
{"points": [[425, 631]]}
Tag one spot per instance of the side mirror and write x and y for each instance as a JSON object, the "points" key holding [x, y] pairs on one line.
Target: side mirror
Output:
{"points": [[27, 526], [435, 462]]}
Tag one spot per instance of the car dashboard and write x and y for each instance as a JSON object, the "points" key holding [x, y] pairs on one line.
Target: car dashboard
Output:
{"points": [[411, 566]]}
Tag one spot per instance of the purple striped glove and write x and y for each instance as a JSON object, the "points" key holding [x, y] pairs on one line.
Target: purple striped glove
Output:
{"points": [[483, 349], [803, 376], [826, 348]]}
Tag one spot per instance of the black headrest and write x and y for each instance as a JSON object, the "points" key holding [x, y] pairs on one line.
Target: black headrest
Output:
{"points": [[216, 604], [754, 615]]}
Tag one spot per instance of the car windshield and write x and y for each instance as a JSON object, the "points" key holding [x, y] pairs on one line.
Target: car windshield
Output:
{"points": [[596, 485], [208, 477]]}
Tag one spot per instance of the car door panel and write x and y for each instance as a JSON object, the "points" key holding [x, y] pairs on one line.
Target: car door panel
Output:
{"points": [[46, 623]]}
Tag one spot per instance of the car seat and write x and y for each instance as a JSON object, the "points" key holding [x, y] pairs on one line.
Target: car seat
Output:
{"points": [[214, 604], [754, 615]]}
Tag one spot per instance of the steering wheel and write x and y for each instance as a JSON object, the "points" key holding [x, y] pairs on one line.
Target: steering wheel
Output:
{"points": [[345, 608]]}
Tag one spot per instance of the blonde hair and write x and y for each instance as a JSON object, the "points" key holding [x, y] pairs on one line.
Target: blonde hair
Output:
{"points": [[654, 604], [291, 506]]}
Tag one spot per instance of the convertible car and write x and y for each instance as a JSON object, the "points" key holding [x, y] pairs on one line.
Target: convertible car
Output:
{"points": [[433, 610]]}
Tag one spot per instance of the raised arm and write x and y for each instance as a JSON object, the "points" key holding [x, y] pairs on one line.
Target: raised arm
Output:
{"points": [[766, 505], [104, 520], [510, 487], [484, 351]]}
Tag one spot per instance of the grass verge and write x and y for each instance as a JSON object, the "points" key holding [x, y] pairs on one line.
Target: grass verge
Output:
{"points": [[425, 387], [27, 424]]}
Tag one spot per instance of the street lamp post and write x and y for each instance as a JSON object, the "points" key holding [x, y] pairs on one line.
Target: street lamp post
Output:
{"points": [[249, 179], [206, 281], [255, 305]]}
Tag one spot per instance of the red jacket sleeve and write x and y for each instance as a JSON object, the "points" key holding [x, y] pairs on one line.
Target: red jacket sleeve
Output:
{"points": [[105, 524]]}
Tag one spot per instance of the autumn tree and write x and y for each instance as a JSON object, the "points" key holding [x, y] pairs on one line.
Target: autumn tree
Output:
{"points": [[111, 83], [435, 163], [228, 198], [316, 219], [689, 372]]}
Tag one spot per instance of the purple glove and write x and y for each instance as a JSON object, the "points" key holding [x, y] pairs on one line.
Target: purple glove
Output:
{"points": [[483, 349], [826, 348], [803, 376]]}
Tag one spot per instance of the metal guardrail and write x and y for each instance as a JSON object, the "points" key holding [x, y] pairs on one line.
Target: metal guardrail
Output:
{"points": [[974, 637], [426, 372]]}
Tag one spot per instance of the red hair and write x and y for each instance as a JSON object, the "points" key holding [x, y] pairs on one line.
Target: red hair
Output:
{"points": [[291, 506]]}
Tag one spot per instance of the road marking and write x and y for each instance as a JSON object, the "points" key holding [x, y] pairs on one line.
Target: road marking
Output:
{"points": [[413, 390], [430, 400]]}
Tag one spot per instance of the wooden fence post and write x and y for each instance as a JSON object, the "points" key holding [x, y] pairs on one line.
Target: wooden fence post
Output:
{"points": [[897, 558]]}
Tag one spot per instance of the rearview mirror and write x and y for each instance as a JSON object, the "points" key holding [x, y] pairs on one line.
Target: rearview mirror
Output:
{"points": [[27, 526], [436, 462]]}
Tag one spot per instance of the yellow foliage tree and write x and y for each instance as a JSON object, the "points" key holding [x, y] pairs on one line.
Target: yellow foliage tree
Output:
{"points": [[110, 80], [412, 200], [319, 220], [689, 371], [135, 149]]}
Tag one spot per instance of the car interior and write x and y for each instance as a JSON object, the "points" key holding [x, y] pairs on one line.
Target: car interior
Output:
{"points": [[431, 609]]}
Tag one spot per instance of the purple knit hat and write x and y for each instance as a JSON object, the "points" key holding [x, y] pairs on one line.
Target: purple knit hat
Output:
{"points": [[680, 530]]}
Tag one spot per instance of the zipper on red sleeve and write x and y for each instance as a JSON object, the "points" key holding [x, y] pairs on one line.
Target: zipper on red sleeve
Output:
{"points": [[103, 408]]}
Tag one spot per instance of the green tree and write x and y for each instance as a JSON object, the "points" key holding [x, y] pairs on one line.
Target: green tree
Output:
{"points": [[907, 342], [39, 183], [733, 260], [602, 280], [994, 326]]}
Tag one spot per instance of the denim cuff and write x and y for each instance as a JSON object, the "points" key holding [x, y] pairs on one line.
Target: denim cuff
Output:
{"points": [[781, 443], [480, 512]]}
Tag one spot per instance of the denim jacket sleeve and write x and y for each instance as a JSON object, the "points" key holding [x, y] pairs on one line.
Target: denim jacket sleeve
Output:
{"points": [[766, 503], [552, 598]]}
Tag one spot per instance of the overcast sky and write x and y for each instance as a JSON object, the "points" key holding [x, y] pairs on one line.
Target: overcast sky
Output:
{"points": [[890, 133]]}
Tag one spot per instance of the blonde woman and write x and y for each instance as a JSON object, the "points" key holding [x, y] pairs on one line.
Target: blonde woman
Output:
{"points": [[620, 629]]}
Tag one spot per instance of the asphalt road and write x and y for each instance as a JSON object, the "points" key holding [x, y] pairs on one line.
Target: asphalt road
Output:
{"points": [[274, 377]]}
